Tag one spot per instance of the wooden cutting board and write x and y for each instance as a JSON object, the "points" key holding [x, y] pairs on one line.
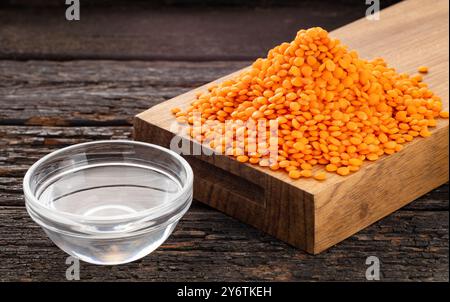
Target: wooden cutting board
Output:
{"points": [[314, 215]]}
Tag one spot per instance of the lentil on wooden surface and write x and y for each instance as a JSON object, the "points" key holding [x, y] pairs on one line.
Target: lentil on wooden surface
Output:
{"points": [[332, 109]]}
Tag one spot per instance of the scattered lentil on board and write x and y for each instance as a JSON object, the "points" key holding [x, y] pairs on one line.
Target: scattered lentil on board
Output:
{"points": [[332, 109], [422, 69]]}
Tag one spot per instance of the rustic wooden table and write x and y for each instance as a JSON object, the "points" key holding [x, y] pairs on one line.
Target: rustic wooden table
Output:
{"points": [[68, 82]]}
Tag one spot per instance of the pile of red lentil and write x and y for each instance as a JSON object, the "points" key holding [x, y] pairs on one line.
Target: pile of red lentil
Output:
{"points": [[333, 109]]}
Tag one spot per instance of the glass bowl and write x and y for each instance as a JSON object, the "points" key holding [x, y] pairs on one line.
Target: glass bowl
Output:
{"points": [[109, 202]]}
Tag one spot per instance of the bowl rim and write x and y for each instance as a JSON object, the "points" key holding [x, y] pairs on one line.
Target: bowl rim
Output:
{"points": [[158, 211]]}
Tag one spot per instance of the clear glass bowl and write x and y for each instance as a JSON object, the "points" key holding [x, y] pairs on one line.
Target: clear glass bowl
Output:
{"points": [[109, 202]]}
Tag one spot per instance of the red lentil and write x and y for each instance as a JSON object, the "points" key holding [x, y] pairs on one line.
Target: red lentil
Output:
{"points": [[333, 108]]}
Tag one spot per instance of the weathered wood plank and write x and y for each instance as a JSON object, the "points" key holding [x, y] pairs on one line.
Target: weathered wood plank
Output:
{"points": [[21, 146], [94, 92], [412, 245], [209, 246], [177, 3], [150, 73], [169, 33]]}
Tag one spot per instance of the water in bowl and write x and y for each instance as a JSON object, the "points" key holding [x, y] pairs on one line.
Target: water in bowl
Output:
{"points": [[108, 190]]}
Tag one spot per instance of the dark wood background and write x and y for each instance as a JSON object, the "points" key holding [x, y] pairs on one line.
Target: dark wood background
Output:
{"points": [[67, 82]]}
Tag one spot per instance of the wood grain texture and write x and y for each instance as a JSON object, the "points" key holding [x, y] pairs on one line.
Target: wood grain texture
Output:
{"points": [[21, 146], [207, 245], [190, 3], [210, 246], [81, 93], [412, 243], [345, 205], [162, 33]]}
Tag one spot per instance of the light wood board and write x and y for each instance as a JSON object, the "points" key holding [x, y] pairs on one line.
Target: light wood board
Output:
{"points": [[315, 215]]}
